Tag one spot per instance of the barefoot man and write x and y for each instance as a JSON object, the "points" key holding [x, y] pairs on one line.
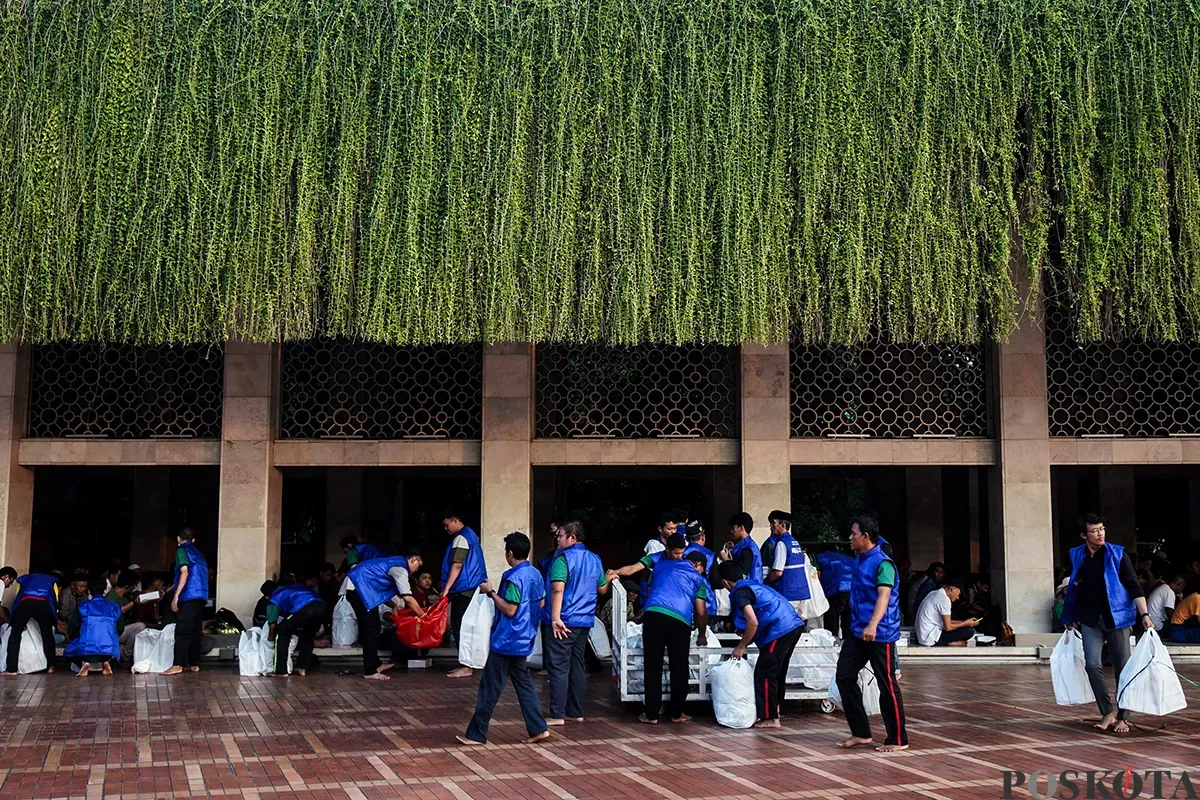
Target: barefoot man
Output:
{"points": [[519, 604], [98, 643], [294, 611], [874, 631], [768, 619], [1101, 601], [368, 586]]}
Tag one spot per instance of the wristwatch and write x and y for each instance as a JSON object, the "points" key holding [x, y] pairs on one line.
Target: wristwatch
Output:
{"points": [[492, 592]]}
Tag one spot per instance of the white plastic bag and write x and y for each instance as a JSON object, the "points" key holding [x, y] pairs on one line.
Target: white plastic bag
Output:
{"points": [[267, 652], [475, 636], [250, 652], [345, 624], [732, 685], [1068, 672], [633, 635], [535, 660], [1149, 683], [154, 650], [817, 604], [31, 657], [869, 687], [724, 609], [598, 638]]}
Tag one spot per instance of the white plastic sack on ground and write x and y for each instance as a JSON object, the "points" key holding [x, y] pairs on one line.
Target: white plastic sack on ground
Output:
{"points": [[154, 650], [535, 658], [267, 652], [598, 638], [724, 609], [250, 652], [869, 687], [475, 636], [732, 685], [1149, 684], [633, 635], [31, 657], [1068, 672], [345, 624], [817, 604]]}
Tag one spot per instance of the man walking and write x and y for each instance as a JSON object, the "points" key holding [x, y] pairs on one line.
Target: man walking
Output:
{"points": [[191, 595], [1100, 602], [874, 631], [463, 569], [576, 577], [837, 570], [519, 609]]}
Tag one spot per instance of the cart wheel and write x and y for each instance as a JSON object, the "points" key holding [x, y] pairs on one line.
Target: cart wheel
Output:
{"points": [[826, 706]]}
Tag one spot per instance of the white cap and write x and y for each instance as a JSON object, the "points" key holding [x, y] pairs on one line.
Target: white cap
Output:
{"points": [[135, 566]]}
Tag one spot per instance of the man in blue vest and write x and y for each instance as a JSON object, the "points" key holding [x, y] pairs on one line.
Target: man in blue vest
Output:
{"points": [[463, 569], [519, 604], [98, 642], [1101, 600], [37, 600], [768, 619], [298, 611], [191, 596], [837, 570], [368, 586], [874, 631], [743, 550], [358, 552], [573, 583], [697, 540], [785, 568]]}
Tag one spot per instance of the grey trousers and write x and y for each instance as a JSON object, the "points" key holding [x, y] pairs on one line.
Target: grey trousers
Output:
{"points": [[1094, 640], [568, 671]]}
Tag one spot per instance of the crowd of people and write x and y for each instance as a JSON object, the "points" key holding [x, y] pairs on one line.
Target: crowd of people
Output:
{"points": [[672, 590]]}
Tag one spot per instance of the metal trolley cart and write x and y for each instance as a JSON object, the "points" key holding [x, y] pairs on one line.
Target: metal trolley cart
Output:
{"points": [[627, 663]]}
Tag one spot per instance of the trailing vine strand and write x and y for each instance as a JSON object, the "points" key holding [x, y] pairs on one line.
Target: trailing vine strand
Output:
{"points": [[416, 171]]}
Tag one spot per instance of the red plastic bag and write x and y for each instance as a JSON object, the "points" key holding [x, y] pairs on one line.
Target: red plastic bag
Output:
{"points": [[423, 632]]}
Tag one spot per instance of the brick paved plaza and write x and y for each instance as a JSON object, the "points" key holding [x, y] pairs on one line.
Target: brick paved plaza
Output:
{"points": [[332, 737]]}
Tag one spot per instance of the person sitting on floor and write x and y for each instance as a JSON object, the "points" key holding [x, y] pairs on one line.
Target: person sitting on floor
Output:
{"points": [[68, 601], [127, 629], [920, 589], [97, 642], [1185, 621], [934, 626], [1162, 598]]}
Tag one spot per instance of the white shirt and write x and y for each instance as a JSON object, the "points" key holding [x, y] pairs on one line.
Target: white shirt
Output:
{"points": [[655, 545], [399, 576], [1157, 604], [929, 617]]}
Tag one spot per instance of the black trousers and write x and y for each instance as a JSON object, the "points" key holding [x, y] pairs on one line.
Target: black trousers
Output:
{"points": [[837, 618], [496, 671], [564, 660], [40, 612], [304, 624], [459, 603], [770, 673], [369, 629], [662, 632], [855, 655], [189, 625]]}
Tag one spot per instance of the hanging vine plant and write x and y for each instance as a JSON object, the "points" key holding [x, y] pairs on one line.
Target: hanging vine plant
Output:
{"points": [[416, 171]]}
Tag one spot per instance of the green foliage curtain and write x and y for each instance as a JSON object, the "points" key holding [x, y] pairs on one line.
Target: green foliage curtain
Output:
{"points": [[595, 170]]}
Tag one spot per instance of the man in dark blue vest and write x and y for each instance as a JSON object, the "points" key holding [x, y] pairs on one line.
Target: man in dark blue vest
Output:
{"points": [[298, 611], [368, 586], [574, 581], [874, 631], [768, 619], [37, 600], [463, 569], [519, 604], [786, 567], [191, 596], [743, 550], [1104, 600], [837, 570]]}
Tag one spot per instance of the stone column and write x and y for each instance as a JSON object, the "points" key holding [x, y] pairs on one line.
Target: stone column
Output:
{"points": [[766, 429], [507, 475], [343, 510], [1023, 546], [251, 486], [16, 482], [923, 486], [1117, 498], [153, 542]]}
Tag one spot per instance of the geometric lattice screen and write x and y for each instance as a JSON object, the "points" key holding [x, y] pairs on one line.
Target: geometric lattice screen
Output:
{"points": [[126, 392], [885, 390], [636, 392], [375, 391], [1128, 388]]}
